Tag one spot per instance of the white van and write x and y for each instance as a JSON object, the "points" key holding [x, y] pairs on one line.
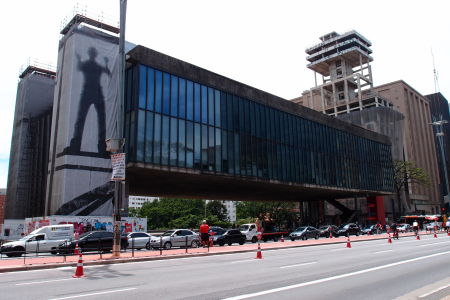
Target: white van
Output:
{"points": [[44, 239]]}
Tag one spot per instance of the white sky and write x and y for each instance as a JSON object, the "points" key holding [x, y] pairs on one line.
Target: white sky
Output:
{"points": [[257, 42]]}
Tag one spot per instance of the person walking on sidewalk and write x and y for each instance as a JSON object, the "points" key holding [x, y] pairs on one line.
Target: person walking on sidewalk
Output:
{"points": [[204, 233], [416, 227]]}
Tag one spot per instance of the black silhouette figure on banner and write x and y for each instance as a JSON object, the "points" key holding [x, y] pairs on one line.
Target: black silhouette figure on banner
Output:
{"points": [[91, 94]]}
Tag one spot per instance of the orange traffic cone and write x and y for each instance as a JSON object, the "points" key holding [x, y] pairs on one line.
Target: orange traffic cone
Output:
{"points": [[77, 250], [258, 253], [435, 235], [282, 238], [331, 236], [417, 237], [348, 243], [79, 270], [389, 238], [448, 233], [211, 243]]}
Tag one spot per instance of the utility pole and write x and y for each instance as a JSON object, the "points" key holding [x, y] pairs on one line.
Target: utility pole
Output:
{"points": [[116, 145]]}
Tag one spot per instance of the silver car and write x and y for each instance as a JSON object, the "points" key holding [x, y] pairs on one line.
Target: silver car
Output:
{"points": [[176, 238], [139, 240]]}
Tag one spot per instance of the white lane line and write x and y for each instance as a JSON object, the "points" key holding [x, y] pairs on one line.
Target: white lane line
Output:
{"points": [[240, 261], [383, 251], [94, 294], [298, 265], [289, 287], [433, 244], [340, 249], [434, 291], [44, 281]]}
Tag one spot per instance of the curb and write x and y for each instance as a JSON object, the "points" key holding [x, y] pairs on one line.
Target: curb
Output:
{"points": [[165, 257]]}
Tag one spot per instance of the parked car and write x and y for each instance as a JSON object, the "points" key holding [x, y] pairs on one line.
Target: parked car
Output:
{"points": [[175, 238], [404, 228], [93, 241], [326, 229], [430, 226], [349, 229], [216, 230], [371, 229], [304, 232], [229, 237], [139, 240]]}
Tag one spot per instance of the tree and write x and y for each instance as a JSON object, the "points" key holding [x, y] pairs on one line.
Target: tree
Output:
{"points": [[282, 214], [405, 172], [216, 208]]}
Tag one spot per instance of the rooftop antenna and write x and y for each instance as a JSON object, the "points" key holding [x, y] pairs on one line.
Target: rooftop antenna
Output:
{"points": [[435, 75]]}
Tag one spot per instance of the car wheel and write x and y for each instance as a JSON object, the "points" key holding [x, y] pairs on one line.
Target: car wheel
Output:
{"points": [[275, 239], [147, 246], [229, 244], [221, 243], [241, 242], [347, 234], [9, 254], [53, 251], [316, 237], [304, 238], [167, 245], [357, 233], [292, 239], [254, 239], [18, 251], [138, 249], [194, 244]]}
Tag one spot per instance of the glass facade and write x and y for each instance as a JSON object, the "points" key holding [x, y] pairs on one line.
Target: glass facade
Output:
{"points": [[172, 121]]}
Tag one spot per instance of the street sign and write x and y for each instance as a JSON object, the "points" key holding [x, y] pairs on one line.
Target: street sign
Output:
{"points": [[118, 166]]}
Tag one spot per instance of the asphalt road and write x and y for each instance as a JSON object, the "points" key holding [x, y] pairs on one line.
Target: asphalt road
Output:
{"points": [[406, 269]]}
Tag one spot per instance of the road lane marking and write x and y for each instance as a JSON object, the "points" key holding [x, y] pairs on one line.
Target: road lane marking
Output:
{"points": [[433, 244], [289, 287], [340, 249], [94, 294], [435, 291], [383, 251], [44, 281], [240, 261], [298, 265]]}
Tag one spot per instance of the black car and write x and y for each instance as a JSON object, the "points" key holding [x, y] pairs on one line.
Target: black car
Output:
{"points": [[349, 229], [93, 241], [304, 232], [325, 230], [229, 237], [216, 230]]}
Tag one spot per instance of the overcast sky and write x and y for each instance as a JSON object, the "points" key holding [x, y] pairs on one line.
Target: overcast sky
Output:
{"points": [[260, 43]]}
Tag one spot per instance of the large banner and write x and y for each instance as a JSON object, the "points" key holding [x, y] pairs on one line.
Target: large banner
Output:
{"points": [[84, 116]]}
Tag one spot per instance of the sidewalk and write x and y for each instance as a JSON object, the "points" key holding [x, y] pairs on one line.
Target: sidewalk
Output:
{"points": [[48, 262]]}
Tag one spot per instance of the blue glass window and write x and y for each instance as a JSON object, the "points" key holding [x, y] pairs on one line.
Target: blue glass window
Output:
{"points": [[197, 103], [150, 89], [181, 144], [217, 107], [204, 95], [157, 140], [189, 144], [204, 147], [218, 146], [166, 93], [142, 86], [149, 138], [182, 99], [173, 146], [197, 146], [174, 97], [158, 91], [165, 141], [211, 152], [190, 100], [211, 106]]}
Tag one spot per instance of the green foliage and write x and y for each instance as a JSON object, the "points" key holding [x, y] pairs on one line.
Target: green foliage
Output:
{"points": [[282, 214], [188, 221], [217, 209], [406, 171]]}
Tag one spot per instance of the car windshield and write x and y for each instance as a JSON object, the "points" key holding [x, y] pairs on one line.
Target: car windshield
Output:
{"points": [[243, 227], [323, 228], [168, 233], [300, 229], [368, 227], [343, 226], [84, 235]]}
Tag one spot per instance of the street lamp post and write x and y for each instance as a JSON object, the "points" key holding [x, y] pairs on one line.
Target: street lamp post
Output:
{"points": [[115, 145], [440, 135]]}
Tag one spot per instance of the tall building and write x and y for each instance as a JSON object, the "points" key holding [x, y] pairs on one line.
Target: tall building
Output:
{"points": [[139, 201], [440, 111], [30, 143], [2, 205], [394, 109]]}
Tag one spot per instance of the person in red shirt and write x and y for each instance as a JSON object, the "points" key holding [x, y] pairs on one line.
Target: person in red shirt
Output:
{"points": [[204, 233]]}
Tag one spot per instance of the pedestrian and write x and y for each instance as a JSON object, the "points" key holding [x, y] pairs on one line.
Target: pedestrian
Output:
{"points": [[415, 227], [204, 233], [394, 231], [447, 225]]}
